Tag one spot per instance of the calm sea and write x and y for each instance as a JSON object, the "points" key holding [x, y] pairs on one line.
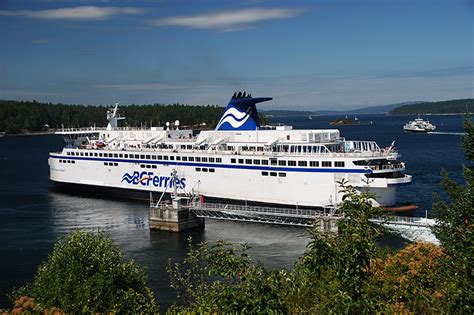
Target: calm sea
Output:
{"points": [[33, 215]]}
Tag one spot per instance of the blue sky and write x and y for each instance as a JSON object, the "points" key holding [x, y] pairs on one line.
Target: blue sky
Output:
{"points": [[324, 54]]}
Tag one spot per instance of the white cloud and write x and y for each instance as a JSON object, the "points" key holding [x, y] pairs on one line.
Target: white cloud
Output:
{"points": [[75, 13], [229, 20], [141, 86]]}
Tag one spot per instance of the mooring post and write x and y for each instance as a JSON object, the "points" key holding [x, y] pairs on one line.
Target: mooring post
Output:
{"points": [[174, 217]]}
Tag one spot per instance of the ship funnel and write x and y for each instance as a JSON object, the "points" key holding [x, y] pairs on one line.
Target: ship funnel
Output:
{"points": [[241, 113]]}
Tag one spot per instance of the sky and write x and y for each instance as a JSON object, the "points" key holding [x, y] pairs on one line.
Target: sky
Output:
{"points": [[307, 55]]}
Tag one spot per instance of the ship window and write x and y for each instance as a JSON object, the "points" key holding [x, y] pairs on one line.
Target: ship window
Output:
{"points": [[264, 162], [189, 147], [302, 163], [178, 158], [183, 146], [153, 166], [282, 163], [115, 164], [219, 160], [191, 159], [69, 161], [86, 154], [142, 165], [100, 154], [198, 159], [82, 153], [153, 157], [142, 156], [68, 153], [273, 174], [248, 161], [120, 155], [115, 155], [241, 161], [211, 170], [147, 157], [160, 157], [264, 173], [73, 162], [165, 157], [204, 159], [106, 163], [256, 162], [198, 169], [339, 164], [232, 160], [204, 170], [326, 163], [314, 163], [95, 154], [148, 166], [172, 158], [273, 162], [185, 158], [291, 163], [282, 174], [212, 160]]}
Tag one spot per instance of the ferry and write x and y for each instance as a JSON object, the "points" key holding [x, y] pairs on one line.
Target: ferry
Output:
{"points": [[419, 125], [239, 161]]}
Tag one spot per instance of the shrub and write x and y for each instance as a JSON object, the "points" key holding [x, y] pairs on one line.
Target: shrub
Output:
{"points": [[86, 273]]}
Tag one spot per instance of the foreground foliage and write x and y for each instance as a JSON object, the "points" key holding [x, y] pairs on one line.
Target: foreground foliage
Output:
{"points": [[343, 273], [86, 273], [455, 228]]}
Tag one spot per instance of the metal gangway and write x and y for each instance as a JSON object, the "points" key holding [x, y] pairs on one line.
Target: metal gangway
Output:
{"points": [[285, 216], [413, 228]]}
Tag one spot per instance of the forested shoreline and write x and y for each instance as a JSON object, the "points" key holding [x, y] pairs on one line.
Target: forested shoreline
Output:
{"points": [[32, 116], [459, 106]]}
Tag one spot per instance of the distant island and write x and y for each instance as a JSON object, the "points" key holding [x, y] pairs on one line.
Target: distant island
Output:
{"points": [[459, 106], [343, 121]]}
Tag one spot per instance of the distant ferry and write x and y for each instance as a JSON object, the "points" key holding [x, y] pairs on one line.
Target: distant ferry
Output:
{"points": [[419, 125], [239, 160]]}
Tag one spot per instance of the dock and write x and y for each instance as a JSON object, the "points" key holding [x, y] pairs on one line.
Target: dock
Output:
{"points": [[178, 217]]}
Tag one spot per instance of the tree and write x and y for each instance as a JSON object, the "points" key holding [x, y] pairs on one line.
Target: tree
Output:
{"points": [[221, 279], [455, 228], [86, 273]]}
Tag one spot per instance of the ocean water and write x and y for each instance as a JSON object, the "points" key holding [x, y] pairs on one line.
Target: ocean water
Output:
{"points": [[33, 215]]}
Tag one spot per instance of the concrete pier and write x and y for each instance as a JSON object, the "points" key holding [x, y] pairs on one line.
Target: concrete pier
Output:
{"points": [[174, 217]]}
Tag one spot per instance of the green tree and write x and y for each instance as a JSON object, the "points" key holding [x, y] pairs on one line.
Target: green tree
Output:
{"points": [[337, 266], [86, 273], [221, 279], [455, 228]]}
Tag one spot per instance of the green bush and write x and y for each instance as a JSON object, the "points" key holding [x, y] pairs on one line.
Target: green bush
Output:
{"points": [[86, 273]]}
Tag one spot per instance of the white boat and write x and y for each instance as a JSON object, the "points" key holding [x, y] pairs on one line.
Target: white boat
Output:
{"points": [[419, 125], [239, 160]]}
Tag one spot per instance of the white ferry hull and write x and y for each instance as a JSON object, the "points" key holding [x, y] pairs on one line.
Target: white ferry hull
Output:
{"points": [[302, 187]]}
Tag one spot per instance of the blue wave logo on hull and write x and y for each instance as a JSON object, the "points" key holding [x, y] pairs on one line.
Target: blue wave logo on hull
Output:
{"points": [[150, 179], [241, 113]]}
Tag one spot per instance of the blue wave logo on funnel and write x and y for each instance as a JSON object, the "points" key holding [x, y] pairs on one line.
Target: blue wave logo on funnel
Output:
{"points": [[241, 113]]}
